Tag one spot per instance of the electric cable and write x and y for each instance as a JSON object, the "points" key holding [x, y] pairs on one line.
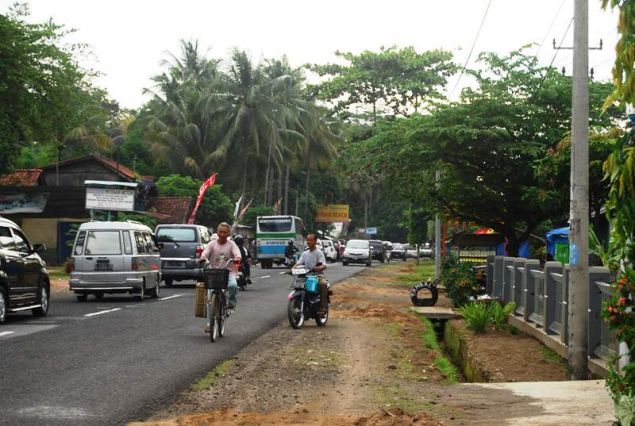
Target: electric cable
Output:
{"points": [[472, 49], [549, 29], [544, 77]]}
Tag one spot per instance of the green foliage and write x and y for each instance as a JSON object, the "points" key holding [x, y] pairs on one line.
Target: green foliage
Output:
{"points": [[446, 368], [499, 314], [208, 381], [390, 82], [216, 207], [477, 316], [425, 270], [44, 95], [146, 220], [458, 279], [250, 216]]}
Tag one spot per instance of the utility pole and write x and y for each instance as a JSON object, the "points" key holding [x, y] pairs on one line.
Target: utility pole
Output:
{"points": [[437, 234], [579, 207]]}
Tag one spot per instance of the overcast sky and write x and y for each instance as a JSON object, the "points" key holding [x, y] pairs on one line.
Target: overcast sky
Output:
{"points": [[130, 38]]}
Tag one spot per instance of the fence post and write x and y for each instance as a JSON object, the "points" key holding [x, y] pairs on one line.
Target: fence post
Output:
{"points": [[598, 334], [491, 268], [517, 279], [529, 287], [553, 292], [564, 332], [508, 276], [497, 275]]}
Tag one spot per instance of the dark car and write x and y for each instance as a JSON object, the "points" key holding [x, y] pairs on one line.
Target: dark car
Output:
{"points": [[398, 251], [24, 280], [378, 252], [181, 246]]}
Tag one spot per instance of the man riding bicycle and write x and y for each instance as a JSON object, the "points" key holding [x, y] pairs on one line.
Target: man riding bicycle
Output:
{"points": [[217, 252]]}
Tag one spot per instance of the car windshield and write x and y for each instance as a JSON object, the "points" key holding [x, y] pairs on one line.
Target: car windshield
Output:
{"points": [[181, 235], [376, 245], [397, 247], [357, 244]]}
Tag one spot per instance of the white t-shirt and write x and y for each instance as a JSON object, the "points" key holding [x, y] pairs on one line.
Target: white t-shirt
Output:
{"points": [[310, 259]]}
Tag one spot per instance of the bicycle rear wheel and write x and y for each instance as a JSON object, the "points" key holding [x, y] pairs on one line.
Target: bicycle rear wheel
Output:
{"points": [[213, 322], [221, 317]]}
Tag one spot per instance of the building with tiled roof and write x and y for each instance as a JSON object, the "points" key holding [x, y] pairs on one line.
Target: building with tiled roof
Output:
{"points": [[176, 209], [22, 177]]}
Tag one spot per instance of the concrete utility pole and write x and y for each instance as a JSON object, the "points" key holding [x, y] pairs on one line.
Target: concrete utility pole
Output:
{"points": [[437, 235], [579, 207]]}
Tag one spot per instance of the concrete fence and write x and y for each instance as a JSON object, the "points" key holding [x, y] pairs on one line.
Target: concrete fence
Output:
{"points": [[541, 292]]}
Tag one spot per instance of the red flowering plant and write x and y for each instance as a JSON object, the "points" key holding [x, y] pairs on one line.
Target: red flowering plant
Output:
{"points": [[619, 314]]}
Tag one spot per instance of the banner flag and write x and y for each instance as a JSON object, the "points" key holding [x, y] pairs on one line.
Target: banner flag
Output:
{"points": [[237, 206], [201, 191], [277, 205]]}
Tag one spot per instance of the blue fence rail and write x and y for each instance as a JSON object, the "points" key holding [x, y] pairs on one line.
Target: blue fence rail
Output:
{"points": [[541, 292]]}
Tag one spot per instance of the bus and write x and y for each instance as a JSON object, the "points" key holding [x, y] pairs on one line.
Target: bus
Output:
{"points": [[272, 236]]}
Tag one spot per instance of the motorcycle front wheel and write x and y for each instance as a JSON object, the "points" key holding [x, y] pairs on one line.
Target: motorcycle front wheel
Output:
{"points": [[295, 313]]}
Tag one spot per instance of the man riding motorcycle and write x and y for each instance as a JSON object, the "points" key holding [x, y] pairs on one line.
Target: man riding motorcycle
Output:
{"points": [[314, 260], [290, 253], [244, 254]]}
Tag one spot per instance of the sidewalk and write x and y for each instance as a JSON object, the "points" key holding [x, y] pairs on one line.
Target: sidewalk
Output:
{"points": [[541, 403]]}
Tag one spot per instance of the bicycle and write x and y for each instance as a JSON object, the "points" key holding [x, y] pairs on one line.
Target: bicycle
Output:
{"points": [[217, 280]]}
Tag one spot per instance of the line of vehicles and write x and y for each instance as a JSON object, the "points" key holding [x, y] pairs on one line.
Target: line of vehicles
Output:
{"points": [[129, 257]]}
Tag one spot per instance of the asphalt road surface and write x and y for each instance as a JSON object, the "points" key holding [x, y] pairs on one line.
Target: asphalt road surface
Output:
{"points": [[117, 360]]}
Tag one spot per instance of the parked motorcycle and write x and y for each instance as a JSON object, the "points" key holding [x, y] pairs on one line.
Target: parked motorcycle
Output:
{"points": [[304, 299]]}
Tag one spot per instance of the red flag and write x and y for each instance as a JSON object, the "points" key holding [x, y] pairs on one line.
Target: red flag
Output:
{"points": [[201, 191], [243, 211], [277, 206]]}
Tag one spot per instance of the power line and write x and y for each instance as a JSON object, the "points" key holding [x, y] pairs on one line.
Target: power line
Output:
{"points": [[472, 49], [554, 58], [550, 27]]}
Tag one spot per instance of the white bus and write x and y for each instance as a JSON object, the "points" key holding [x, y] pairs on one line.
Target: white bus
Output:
{"points": [[273, 233]]}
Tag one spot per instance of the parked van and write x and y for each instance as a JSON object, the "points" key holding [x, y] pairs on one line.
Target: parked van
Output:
{"points": [[115, 257]]}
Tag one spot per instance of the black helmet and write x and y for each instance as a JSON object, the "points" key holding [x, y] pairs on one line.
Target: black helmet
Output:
{"points": [[290, 242], [238, 239]]}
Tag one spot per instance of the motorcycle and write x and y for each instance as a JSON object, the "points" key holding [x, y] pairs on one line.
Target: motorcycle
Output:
{"points": [[304, 299], [289, 261], [241, 280]]}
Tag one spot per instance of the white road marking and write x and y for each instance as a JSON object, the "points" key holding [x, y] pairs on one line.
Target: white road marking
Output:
{"points": [[265, 276], [171, 297], [102, 312], [6, 333], [282, 273]]}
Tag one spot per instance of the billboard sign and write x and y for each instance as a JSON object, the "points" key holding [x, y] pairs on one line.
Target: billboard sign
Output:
{"points": [[110, 199], [371, 231], [332, 213]]}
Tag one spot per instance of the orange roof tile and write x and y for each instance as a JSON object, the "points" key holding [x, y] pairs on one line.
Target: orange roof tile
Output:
{"points": [[176, 208], [21, 177]]}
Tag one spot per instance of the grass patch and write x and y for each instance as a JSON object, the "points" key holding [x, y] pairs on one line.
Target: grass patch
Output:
{"points": [[57, 272], [208, 381], [429, 337], [423, 271], [391, 396], [446, 368], [550, 355]]}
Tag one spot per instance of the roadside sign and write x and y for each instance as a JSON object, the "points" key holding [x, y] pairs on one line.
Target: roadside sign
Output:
{"points": [[332, 213], [371, 231]]}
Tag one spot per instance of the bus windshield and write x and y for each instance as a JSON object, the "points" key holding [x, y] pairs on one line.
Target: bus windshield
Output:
{"points": [[275, 224]]}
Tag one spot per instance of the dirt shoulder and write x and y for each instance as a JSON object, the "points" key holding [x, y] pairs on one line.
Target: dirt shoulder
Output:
{"points": [[369, 365]]}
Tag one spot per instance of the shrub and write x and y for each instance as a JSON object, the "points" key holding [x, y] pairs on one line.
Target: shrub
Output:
{"points": [[477, 316], [499, 314], [459, 280]]}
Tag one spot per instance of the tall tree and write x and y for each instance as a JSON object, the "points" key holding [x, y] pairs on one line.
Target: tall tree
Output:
{"points": [[389, 82]]}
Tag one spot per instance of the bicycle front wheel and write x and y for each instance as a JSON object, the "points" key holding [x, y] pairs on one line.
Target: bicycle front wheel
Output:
{"points": [[221, 318], [213, 322]]}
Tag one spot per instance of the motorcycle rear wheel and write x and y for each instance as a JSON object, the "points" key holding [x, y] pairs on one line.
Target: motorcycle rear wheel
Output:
{"points": [[321, 320], [295, 313]]}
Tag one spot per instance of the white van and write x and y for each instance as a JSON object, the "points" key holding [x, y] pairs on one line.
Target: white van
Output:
{"points": [[115, 257], [329, 250]]}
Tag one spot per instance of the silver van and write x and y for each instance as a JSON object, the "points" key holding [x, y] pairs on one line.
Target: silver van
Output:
{"points": [[181, 247], [115, 257]]}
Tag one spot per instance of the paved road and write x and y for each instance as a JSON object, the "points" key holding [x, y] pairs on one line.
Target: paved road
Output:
{"points": [[117, 360]]}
